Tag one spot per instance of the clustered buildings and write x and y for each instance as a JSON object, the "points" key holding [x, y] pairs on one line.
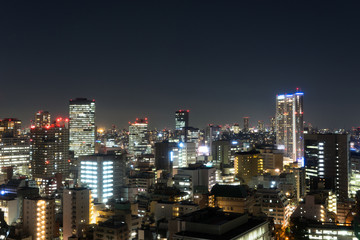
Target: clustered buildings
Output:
{"points": [[64, 178]]}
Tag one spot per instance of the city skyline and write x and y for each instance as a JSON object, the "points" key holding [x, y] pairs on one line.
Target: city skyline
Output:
{"points": [[222, 61]]}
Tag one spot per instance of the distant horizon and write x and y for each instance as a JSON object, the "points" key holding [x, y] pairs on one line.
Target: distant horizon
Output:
{"points": [[223, 60]]}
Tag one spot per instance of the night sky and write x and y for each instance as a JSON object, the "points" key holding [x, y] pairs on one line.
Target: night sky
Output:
{"points": [[223, 60]]}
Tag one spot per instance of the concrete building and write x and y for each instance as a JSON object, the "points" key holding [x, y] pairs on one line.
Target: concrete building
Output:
{"points": [[111, 229], [236, 199], [49, 146], [275, 205], [248, 165], [39, 218], [220, 152], [272, 159], [170, 210], [77, 211], [200, 176]]}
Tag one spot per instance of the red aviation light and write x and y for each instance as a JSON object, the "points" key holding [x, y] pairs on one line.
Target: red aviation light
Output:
{"points": [[187, 110]]}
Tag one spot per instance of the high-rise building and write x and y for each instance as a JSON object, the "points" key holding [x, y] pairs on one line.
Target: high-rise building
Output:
{"points": [[15, 152], [138, 137], [10, 127], [103, 174], [39, 218], [42, 119], [246, 124], [328, 163], [261, 126], [14, 149], [163, 152], [77, 211], [49, 147], [221, 153], [290, 126], [181, 119], [82, 126]]}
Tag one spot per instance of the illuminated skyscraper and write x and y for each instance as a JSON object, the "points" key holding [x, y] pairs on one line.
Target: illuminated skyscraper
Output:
{"points": [[181, 119], [49, 149], [290, 126], [82, 126], [42, 119], [10, 127], [138, 141]]}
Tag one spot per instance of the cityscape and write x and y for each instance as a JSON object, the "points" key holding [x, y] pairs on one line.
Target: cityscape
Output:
{"points": [[64, 178], [179, 120]]}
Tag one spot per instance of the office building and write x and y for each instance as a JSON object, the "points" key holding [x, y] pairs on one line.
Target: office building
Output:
{"points": [[198, 177], [103, 174], [290, 126], [248, 165], [42, 119], [327, 163], [181, 119], [183, 155], [163, 155], [138, 137], [49, 147], [10, 127], [15, 152], [82, 126], [220, 151], [78, 211], [39, 218]]}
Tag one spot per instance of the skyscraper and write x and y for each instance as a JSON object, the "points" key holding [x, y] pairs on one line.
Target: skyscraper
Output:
{"points": [[181, 119], [327, 162], [290, 126], [49, 147], [246, 124], [82, 126], [138, 141]]}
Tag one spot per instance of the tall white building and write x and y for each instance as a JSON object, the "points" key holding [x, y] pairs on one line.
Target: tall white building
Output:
{"points": [[290, 126], [82, 126], [103, 174], [138, 142]]}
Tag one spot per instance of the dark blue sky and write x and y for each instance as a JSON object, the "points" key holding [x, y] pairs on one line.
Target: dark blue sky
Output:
{"points": [[223, 60]]}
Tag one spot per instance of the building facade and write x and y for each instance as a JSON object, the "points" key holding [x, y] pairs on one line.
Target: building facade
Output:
{"points": [[82, 126], [290, 126]]}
